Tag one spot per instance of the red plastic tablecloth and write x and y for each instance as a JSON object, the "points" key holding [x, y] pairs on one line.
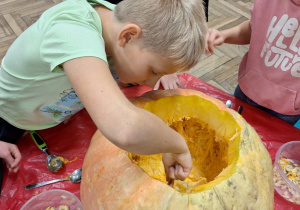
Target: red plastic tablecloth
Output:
{"points": [[71, 140]]}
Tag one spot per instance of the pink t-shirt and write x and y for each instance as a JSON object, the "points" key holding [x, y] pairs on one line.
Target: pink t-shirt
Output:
{"points": [[270, 72]]}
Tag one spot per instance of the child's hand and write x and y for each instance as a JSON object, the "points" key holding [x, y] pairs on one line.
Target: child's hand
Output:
{"points": [[177, 166], [213, 38], [11, 154], [169, 81]]}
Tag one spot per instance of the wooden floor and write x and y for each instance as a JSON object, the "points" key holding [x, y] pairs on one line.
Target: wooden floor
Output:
{"points": [[219, 69]]}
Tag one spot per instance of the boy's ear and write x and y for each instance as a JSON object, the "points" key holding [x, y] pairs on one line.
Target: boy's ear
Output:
{"points": [[128, 33]]}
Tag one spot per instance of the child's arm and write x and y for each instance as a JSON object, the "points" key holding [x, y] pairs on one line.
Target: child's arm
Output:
{"points": [[239, 34], [11, 155], [125, 125], [169, 81]]}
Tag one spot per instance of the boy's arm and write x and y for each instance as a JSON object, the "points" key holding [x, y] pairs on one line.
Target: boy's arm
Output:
{"points": [[125, 125], [239, 35]]}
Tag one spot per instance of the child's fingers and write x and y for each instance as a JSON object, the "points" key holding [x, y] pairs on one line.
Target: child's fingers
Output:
{"points": [[179, 172], [16, 168], [213, 39], [179, 84], [13, 166], [176, 172], [156, 86], [211, 43], [171, 182], [171, 85], [209, 40], [171, 173], [16, 155], [13, 158], [9, 160]]}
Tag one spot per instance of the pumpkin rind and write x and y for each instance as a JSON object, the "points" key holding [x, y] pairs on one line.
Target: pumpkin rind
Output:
{"points": [[112, 181]]}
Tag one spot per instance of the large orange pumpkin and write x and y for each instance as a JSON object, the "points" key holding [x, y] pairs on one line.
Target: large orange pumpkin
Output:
{"points": [[237, 167]]}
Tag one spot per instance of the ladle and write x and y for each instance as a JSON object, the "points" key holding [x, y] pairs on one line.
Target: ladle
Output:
{"points": [[75, 177], [53, 162]]}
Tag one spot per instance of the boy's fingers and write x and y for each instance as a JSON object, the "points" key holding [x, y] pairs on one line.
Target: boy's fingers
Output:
{"points": [[171, 173], [179, 173], [171, 182]]}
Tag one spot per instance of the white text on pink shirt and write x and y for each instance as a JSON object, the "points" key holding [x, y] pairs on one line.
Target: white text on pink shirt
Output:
{"points": [[282, 46]]}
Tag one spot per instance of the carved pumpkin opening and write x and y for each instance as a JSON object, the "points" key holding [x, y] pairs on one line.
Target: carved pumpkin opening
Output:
{"points": [[212, 136]]}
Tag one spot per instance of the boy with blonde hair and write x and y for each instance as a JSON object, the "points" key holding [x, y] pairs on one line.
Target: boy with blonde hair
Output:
{"points": [[43, 83]]}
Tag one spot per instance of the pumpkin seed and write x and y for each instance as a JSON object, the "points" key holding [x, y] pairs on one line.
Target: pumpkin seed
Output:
{"points": [[292, 172]]}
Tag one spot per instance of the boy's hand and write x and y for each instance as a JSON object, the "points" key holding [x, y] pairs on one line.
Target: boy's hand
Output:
{"points": [[11, 154], [177, 166], [213, 38], [169, 81]]}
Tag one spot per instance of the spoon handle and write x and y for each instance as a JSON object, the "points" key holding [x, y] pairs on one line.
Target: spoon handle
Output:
{"points": [[35, 185], [39, 141]]}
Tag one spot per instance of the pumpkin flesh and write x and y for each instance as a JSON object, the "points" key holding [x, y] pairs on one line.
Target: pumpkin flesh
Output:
{"points": [[210, 151]]}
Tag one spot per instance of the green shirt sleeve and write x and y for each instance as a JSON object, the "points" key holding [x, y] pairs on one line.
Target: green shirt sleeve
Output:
{"points": [[66, 41]]}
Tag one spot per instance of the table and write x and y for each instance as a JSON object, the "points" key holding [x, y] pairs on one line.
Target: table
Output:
{"points": [[71, 140]]}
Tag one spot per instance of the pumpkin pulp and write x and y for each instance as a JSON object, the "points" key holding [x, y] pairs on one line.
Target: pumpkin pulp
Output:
{"points": [[212, 135]]}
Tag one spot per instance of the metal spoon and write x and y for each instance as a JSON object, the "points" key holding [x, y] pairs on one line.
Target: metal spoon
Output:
{"points": [[75, 177], [53, 162]]}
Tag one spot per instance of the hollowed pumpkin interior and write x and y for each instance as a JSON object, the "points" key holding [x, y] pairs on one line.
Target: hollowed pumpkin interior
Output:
{"points": [[212, 135]]}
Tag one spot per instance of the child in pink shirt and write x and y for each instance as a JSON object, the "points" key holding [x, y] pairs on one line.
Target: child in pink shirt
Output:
{"points": [[269, 74]]}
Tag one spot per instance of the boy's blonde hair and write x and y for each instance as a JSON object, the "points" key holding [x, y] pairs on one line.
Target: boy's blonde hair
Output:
{"points": [[174, 29]]}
